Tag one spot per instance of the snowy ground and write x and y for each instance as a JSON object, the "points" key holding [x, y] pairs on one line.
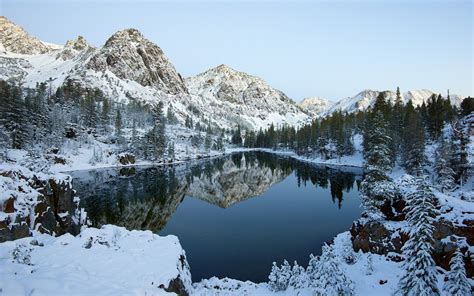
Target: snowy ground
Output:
{"points": [[115, 261], [108, 261]]}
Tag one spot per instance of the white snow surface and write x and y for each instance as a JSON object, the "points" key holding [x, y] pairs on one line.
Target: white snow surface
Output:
{"points": [[106, 261]]}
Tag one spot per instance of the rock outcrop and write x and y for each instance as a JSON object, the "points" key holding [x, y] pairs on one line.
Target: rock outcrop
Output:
{"points": [[14, 39], [129, 55]]}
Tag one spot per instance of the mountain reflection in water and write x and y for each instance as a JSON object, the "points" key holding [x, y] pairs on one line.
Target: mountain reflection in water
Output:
{"points": [[202, 202]]}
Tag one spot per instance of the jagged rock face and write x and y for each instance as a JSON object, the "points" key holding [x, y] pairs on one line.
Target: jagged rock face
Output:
{"points": [[129, 55], [247, 98], [14, 39], [315, 106], [73, 48]]}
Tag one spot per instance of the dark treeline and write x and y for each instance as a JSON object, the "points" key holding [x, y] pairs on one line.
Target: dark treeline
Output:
{"points": [[37, 119], [406, 130]]}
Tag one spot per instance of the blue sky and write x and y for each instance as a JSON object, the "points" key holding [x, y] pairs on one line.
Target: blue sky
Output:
{"points": [[320, 48]]}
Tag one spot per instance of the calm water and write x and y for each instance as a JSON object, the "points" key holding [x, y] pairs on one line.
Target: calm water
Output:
{"points": [[234, 215]]}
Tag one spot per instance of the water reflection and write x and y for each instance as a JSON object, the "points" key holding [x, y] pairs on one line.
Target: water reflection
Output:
{"points": [[233, 215], [146, 198]]}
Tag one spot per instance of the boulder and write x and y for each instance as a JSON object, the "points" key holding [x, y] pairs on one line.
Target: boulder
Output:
{"points": [[126, 158]]}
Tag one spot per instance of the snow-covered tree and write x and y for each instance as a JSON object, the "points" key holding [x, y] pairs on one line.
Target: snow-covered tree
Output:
{"points": [[299, 278], [279, 278], [171, 154], [369, 264], [377, 187], [445, 174], [457, 283], [348, 254], [329, 278], [420, 269]]}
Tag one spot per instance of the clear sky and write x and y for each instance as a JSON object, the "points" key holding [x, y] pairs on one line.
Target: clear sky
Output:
{"points": [[321, 48]]}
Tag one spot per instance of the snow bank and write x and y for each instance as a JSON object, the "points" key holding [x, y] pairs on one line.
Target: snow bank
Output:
{"points": [[106, 261]]}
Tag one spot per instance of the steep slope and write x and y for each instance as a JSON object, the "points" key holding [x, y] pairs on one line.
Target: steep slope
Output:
{"points": [[366, 98], [315, 106], [128, 55], [16, 40], [238, 97]]}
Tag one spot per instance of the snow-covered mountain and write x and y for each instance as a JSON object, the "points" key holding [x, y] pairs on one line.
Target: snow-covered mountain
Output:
{"points": [[243, 98], [366, 99], [315, 106], [16, 40], [130, 67]]}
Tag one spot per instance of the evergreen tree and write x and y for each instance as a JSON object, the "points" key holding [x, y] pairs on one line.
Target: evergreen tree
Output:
{"points": [[377, 186], [299, 279], [159, 130], [369, 264], [105, 113], [118, 124], [279, 277], [445, 174], [413, 142], [237, 136], [208, 140], [171, 154], [419, 266], [467, 106], [89, 113], [170, 116], [397, 126], [329, 278], [457, 283], [12, 115]]}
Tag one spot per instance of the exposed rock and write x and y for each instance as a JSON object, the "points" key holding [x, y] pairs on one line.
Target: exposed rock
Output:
{"points": [[374, 237], [9, 205], [177, 286], [14, 39], [126, 158], [129, 55]]}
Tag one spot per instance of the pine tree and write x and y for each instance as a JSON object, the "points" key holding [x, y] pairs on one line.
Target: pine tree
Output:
{"points": [[171, 154], [170, 117], [274, 278], [159, 130], [12, 115], [329, 278], [105, 113], [413, 142], [445, 174], [237, 136], [299, 279], [457, 283], [419, 266], [377, 186], [118, 124], [369, 264]]}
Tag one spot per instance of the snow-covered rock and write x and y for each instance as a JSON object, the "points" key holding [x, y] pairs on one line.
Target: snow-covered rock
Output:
{"points": [[128, 55], [241, 98], [15, 39], [315, 106], [106, 261]]}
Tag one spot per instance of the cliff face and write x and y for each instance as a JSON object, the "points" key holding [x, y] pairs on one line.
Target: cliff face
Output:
{"points": [[16, 40], [129, 55]]}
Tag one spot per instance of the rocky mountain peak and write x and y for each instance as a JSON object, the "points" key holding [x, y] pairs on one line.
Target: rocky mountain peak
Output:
{"points": [[129, 55], [130, 35], [14, 38], [315, 106], [79, 44]]}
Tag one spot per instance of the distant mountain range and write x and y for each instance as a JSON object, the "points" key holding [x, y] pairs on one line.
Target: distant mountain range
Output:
{"points": [[130, 67]]}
